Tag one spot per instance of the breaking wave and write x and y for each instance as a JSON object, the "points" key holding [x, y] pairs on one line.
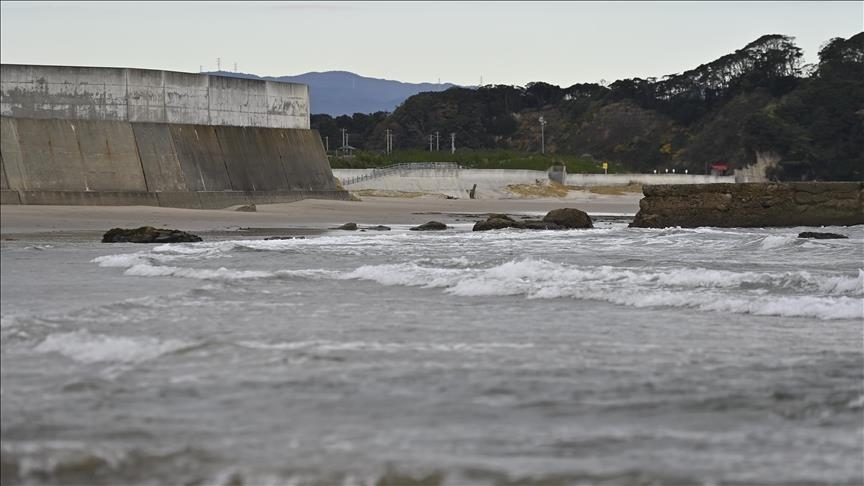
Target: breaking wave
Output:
{"points": [[758, 293], [87, 347]]}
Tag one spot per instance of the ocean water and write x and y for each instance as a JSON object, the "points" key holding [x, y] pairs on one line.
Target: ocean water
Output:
{"points": [[605, 356]]}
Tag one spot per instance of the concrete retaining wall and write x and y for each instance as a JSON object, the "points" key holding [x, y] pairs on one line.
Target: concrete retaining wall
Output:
{"points": [[51, 161], [149, 96], [752, 205], [491, 182]]}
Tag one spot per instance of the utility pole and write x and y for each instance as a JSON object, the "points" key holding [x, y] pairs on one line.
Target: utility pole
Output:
{"points": [[430, 142], [326, 144], [235, 67], [542, 138], [218, 64], [344, 140], [437, 142], [388, 139], [452, 143]]}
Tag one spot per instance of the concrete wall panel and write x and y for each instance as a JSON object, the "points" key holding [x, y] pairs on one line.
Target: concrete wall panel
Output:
{"points": [[13, 166], [4, 184], [201, 158], [110, 156], [252, 158], [63, 92], [237, 102], [9, 197], [305, 162], [187, 98], [162, 170], [88, 198], [145, 95], [50, 157], [287, 105], [140, 95]]}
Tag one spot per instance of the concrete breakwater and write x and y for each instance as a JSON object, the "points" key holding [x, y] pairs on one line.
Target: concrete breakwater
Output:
{"points": [[752, 205], [116, 136]]}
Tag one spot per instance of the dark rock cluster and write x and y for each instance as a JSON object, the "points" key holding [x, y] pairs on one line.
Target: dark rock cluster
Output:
{"points": [[430, 226], [148, 234], [557, 219], [821, 236]]}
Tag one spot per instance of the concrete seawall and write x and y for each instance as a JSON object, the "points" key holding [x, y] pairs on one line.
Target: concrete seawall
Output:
{"points": [[118, 136], [752, 205], [50, 161]]}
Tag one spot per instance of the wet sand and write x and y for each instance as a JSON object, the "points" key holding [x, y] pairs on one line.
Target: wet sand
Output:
{"points": [[310, 214]]}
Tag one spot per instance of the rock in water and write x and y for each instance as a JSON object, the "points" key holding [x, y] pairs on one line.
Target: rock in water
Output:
{"points": [[557, 219], [430, 226], [821, 236], [569, 218], [148, 234], [493, 223], [348, 227]]}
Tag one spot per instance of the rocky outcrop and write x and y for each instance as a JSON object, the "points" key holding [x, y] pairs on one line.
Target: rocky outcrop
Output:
{"points": [[751, 205], [430, 226], [557, 219], [148, 234]]}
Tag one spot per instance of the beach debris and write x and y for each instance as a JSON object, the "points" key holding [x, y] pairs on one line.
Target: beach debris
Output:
{"points": [[248, 208], [148, 234], [430, 226], [557, 219], [348, 227], [821, 236]]}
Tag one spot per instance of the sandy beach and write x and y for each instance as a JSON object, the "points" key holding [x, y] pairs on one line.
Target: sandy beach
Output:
{"points": [[310, 214]]}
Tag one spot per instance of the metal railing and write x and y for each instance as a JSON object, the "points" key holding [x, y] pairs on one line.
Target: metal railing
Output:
{"points": [[401, 169]]}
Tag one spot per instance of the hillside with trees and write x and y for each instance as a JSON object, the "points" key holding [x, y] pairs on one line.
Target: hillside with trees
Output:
{"points": [[761, 98]]}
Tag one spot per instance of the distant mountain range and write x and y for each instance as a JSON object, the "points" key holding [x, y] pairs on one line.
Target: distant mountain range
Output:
{"points": [[343, 93]]}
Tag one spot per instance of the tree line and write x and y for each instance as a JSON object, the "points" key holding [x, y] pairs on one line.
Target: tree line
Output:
{"points": [[760, 98]]}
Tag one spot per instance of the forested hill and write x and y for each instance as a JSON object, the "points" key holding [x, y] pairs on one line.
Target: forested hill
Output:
{"points": [[760, 98]]}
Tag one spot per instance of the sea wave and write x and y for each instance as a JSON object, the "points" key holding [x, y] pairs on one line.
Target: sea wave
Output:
{"points": [[87, 347], [759, 293], [381, 346]]}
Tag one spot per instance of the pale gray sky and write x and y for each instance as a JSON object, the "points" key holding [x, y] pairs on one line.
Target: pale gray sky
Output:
{"points": [[504, 42]]}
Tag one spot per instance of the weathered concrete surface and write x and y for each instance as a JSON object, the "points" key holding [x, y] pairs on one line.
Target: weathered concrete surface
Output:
{"points": [[162, 171], [9, 197], [752, 205], [193, 166], [141, 95]]}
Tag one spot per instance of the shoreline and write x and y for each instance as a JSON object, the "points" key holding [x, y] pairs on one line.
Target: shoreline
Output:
{"points": [[308, 216]]}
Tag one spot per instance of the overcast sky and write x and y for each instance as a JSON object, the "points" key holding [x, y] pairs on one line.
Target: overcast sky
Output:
{"points": [[504, 42]]}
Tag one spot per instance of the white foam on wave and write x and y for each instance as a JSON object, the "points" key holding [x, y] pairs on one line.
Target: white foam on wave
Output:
{"points": [[123, 260], [772, 242], [407, 274], [825, 308], [87, 347], [221, 273], [824, 297]]}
